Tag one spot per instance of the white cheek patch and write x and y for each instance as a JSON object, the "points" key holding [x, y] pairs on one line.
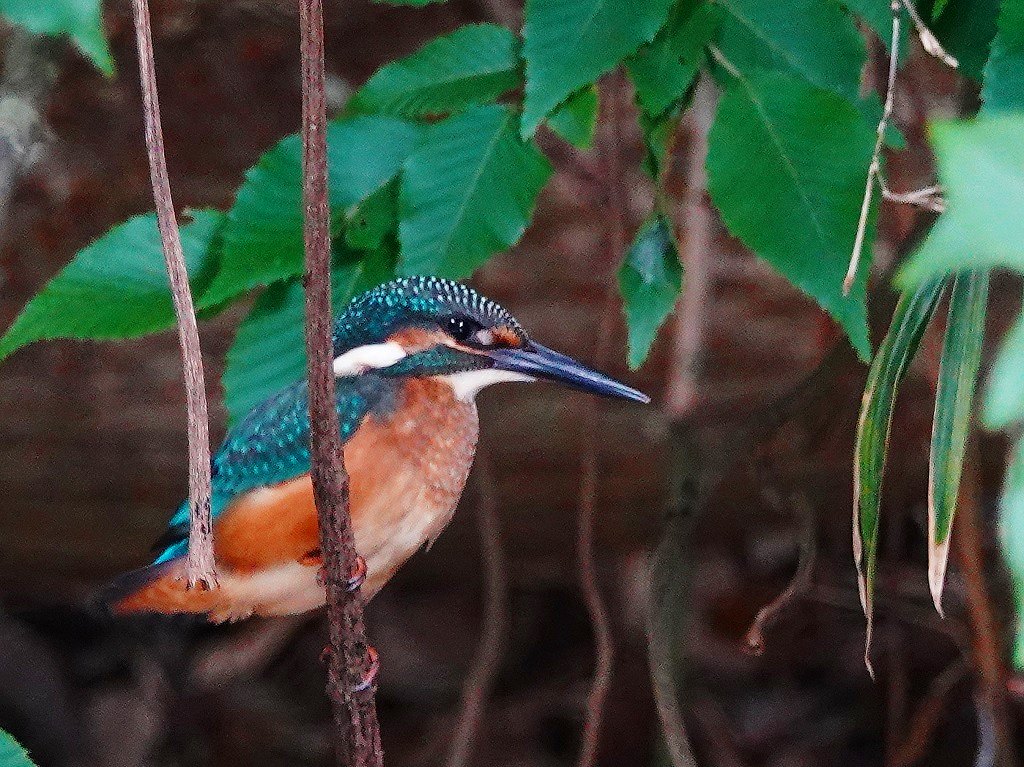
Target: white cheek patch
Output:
{"points": [[467, 383], [369, 357]]}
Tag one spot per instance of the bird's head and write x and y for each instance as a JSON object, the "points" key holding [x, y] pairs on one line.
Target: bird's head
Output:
{"points": [[429, 326]]}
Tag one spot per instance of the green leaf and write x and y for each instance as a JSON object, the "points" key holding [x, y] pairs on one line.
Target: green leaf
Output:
{"points": [[657, 133], [374, 219], [269, 350], [117, 286], [786, 169], [263, 234], [981, 167], [878, 15], [913, 312], [473, 65], [467, 192], [664, 69], [576, 119], [1004, 393], [813, 38], [650, 279], [1011, 536], [1003, 88], [11, 752], [958, 371], [81, 20], [938, 8], [570, 43], [966, 29]]}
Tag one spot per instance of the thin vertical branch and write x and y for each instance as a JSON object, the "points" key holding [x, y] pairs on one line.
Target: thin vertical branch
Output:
{"points": [[695, 243], [200, 564], [350, 664], [480, 682], [876, 162], [596, 608]]}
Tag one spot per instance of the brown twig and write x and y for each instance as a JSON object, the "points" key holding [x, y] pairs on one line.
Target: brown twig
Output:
{"points": [[986, 644], [695, 242], [350, 668], [928, 40], [200, 564], [480, 682], [798, 584], [598, 611], [925, 718]]}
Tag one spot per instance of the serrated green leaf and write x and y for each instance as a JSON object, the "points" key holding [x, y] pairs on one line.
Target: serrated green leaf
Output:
{"points": [[11, 752], [966, 29], [117, 286], [786, 166], [878, 15], [664, 69], [1011, 537], [576, 119], [958, 372], [467, 192], [813, 38], [374, 219], [263, 233], [1003, 87], [81, 20], [1004, 392], [570, 43], [269, 350], [913, 312], [473, 65], [981, 167], [650, 279]]}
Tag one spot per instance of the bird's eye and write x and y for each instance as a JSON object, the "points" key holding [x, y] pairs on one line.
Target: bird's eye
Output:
{"points": [[461, 328]]}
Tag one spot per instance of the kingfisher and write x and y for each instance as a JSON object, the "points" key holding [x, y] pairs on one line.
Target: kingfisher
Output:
{"points": [[410, 357]]}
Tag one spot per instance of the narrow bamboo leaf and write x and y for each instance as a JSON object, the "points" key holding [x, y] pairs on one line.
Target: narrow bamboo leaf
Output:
{"points": [[11, 752], [117, 286], [269, 352], [650, 279], [958, 372], [786, 165], [664, 69], [895, 353], [81, 20], [473, 65], [467, 192], [1003, 87], [263, 233], [1011, 536], [571, 43], [576, 119], [824, 47]]}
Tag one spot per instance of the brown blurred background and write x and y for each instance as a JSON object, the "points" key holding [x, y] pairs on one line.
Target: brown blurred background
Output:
{"points": [[92, 462]]}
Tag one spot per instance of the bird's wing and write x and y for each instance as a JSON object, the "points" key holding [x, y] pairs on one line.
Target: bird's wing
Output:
{"points": [[271, 445]]}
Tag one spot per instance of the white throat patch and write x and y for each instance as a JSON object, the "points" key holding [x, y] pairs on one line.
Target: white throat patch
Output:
{"points": [[467, 383], [369, 357]]}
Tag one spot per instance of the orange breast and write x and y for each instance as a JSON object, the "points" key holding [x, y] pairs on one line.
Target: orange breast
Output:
{"points": [[407, 470]]}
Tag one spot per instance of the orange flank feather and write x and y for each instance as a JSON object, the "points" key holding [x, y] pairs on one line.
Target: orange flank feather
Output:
{"points": [[407, 470]]}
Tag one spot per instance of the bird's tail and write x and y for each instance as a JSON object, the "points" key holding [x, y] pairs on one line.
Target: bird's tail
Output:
{"points": [[157, 588]]}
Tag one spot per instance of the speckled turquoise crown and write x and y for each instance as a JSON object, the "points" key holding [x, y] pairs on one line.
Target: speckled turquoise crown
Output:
{"points": [[413, 301]]}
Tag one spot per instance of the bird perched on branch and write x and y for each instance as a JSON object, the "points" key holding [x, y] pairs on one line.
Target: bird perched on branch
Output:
{"points": [[409, 357]]}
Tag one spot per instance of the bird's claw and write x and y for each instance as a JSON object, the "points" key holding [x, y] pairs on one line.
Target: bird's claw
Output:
{"points": [[370, 677], [357, 575]]}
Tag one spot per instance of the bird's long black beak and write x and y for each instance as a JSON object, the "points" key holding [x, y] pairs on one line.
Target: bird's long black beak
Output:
{"points": [[540, 362]]}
